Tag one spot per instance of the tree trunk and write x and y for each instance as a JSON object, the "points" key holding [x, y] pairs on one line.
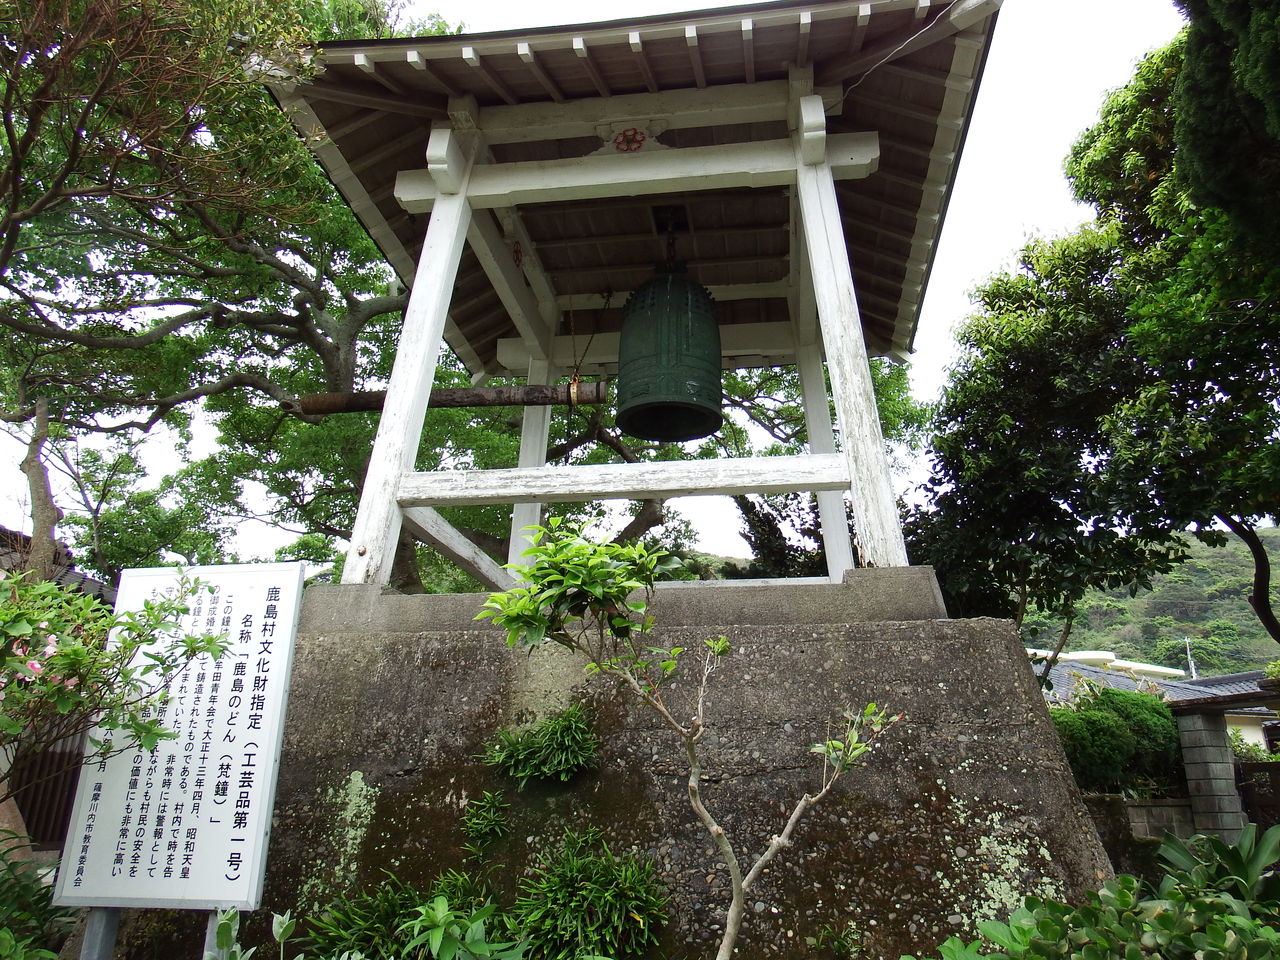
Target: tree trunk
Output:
{"points": [[1260, 595], [45, 514], [405, 575]]}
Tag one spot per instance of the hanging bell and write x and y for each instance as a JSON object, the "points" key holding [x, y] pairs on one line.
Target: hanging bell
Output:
{"points": [[669, 361]]}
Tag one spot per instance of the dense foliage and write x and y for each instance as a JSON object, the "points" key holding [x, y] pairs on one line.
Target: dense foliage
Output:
{"points": [[556, 747], [1203, 600], [59, 676], [1116, 390], [31, 927], [582, 899], [1121, 741]]}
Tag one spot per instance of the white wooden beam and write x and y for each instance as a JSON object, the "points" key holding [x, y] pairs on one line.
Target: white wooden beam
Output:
{"points": [[695, 56], [413, 138], [677, 109], [958, 16], [860, 23], [473, 59], [800, 298], [377, 526], [763, 164], [494, 255], [641, 62], [534, 431], [445, 161], [736, 340], [817, 418], [583, 54], [802, 44], [625, 481], [416, 60], [431, 528], [874, 508], [812, 130], [525, 52], [387, 102]]}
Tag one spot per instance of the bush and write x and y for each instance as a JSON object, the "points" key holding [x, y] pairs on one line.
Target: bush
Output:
{"points": [[1122, 741], [1099, 747], [60, 677], [581, 902], [555, 748], [1149, 718], [368, 922], [1246, 752]]}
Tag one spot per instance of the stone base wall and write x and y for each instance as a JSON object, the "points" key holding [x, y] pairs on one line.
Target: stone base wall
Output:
{"points": [[962, 809], [1155, 818]]}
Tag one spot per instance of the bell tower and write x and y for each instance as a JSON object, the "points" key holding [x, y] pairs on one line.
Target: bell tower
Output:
{"points": [[809, 149]]}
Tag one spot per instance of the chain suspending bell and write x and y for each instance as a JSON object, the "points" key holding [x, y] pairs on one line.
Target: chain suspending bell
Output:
{"points": [[669, 387]]}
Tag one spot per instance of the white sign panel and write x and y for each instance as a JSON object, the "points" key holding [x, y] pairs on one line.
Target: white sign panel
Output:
{"points": [[186, 824]]}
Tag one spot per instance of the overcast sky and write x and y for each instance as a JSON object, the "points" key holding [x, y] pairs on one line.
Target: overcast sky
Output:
{"points": [[1050, 66]]}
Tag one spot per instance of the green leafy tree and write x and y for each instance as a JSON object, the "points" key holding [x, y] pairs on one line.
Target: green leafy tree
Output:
{"points": [[1117, 390], [1021, 514], [1228, 112]]}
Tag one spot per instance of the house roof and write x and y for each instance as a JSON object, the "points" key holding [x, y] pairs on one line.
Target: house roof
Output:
{"points": [[905, 69], [15, 547], [1236, 692]]}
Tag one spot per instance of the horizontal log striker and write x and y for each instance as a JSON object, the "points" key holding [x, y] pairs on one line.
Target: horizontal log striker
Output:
{"points": [[530, 395]]}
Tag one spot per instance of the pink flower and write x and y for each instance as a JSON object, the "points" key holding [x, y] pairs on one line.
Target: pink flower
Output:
{"points": [[35, 666], [51, 647]]}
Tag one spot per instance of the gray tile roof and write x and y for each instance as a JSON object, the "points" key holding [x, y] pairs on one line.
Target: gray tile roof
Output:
{"points": [[1063, 677]]}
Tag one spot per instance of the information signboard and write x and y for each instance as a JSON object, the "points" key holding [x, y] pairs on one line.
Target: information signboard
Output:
{"points": [[186, 825]]}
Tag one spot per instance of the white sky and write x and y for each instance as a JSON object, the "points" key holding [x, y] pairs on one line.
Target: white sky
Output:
{"points": [[1050, 65]]}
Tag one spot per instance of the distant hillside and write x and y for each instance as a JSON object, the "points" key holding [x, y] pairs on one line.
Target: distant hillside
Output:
{"points": [[1203, 599]]}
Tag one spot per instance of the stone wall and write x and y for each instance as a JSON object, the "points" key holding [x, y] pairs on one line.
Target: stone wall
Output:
{"points": [[1155, 818], [1211, 779], [963, 808]]}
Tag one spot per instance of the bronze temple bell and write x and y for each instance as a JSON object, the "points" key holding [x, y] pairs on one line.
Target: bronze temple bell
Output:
{"points": [[669, 385]]}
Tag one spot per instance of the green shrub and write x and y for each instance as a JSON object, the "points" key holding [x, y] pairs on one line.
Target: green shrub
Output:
{"points": [[1099, 747], [579, 901], [1151, 721], [1122, 741], [368, 922], [485, 818], [555, 748], [1247, 752], [469, 891]]}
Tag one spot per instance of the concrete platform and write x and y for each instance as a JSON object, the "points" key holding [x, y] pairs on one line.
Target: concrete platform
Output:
{"points": [[964, 808]]}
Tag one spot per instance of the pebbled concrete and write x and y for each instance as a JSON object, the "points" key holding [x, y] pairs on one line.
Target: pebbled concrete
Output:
{"points": [[964, 807]]}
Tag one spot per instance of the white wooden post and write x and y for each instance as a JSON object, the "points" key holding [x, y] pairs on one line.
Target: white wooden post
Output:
{"points": [[377, 527], [817, 418], [879, 530], [533, 453]]}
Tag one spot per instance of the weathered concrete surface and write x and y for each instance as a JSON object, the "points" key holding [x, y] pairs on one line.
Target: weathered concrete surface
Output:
{"points": [[963, 808]]}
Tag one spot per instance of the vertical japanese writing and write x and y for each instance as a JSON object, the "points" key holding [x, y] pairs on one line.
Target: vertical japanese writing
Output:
{"points": [[187, 820]]}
